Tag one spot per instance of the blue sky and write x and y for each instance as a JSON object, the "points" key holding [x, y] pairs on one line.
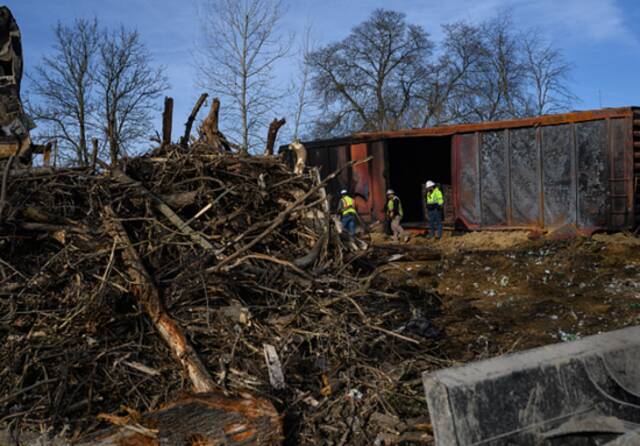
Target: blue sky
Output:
{"points": [[598, 36]]}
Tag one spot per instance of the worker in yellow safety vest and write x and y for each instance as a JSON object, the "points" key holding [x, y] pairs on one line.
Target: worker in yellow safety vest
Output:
{"points": [[347, 211], [394, 216], [435, 207]]}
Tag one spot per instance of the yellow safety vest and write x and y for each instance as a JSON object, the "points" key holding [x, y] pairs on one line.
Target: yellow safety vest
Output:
{"points": [[435, 197], [348, 205], [391, 204]]}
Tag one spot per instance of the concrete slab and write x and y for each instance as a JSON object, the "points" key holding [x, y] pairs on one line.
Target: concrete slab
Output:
{"points": [[515, 399]]}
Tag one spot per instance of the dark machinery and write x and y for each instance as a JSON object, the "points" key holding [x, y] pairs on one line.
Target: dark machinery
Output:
{"points": [[15, 125]]}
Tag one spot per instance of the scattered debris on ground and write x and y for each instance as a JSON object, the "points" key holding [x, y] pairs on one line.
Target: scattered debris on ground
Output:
{"points": [[510, 293], [238, 257]]}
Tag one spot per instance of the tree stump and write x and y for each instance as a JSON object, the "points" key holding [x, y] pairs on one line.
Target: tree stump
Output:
{"points": [[273, 133]]}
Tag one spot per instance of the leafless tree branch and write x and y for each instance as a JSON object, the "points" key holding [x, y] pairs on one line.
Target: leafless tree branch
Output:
{"points": [[241, 44], [64, 83], [129, 89]]}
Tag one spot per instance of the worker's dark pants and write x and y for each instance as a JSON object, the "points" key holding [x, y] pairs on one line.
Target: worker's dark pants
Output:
{"points": [[349, 223], [435, 222], [387, 227]]}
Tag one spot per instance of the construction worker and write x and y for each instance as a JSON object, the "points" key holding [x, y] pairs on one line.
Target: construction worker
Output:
{"points": [[347, 211], [435, 206], [394, 215]]}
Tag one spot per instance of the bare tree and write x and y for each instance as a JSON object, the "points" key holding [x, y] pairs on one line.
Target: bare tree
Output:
{"points": [[95, 82], [496, 88], [303, 100], [241, 45], [514, 73], [461, 52], [368, 81], [129, 89], [64, 83], [547, 72], [383, 75]]}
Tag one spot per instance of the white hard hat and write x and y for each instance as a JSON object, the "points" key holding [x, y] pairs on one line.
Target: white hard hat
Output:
{"points": [[343, 192], [430, 184], [390, 192]]}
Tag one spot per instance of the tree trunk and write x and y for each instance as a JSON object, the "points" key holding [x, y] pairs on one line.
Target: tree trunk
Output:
{"points": [[209, 133], [148, 297], [94, 155], [111, 137], [244, 87], [206, 418], [213, 115], [167, 121], [82, 156], [273, 133]]}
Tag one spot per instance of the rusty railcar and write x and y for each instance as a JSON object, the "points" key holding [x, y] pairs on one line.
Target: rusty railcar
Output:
{"points": [[580, 169]]}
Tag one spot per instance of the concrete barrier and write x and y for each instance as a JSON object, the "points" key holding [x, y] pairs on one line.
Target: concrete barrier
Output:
{"points": [[569, 393]]}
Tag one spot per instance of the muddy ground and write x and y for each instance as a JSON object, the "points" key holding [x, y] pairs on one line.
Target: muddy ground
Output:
{"points": [[502, 292]]}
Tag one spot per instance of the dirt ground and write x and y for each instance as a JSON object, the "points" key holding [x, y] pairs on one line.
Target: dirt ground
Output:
{"points": [[501, 292]]}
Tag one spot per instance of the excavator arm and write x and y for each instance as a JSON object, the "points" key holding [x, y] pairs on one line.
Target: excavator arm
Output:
{"points": [[15, 125]]}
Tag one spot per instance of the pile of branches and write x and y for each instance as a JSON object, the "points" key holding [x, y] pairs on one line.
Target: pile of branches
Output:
{"points": [[235, 254]]}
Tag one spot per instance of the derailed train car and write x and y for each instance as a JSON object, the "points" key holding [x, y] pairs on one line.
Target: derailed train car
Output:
{"points": [[580, 169]]}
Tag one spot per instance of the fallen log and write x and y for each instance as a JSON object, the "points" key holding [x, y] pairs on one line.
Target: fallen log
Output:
{"points": [[149, 298], [202, 419]]}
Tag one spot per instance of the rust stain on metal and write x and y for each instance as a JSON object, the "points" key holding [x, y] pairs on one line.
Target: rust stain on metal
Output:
{"points": [[466, 173], [378, 186], [582, 116], [360, 186]]}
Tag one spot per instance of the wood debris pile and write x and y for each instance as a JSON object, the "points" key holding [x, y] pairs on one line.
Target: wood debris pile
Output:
{"points": [[240, 255]]}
